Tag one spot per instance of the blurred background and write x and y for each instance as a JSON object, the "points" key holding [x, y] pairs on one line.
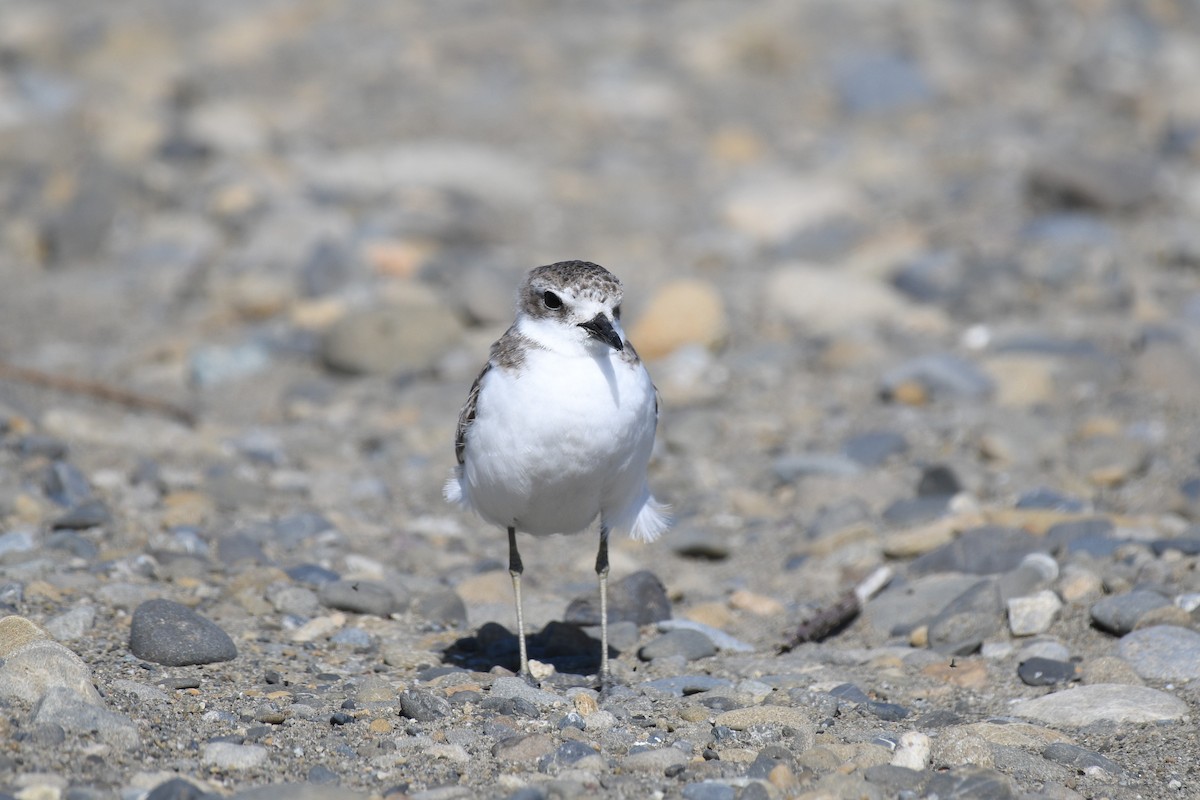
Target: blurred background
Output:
{"points": [[966, 231]]}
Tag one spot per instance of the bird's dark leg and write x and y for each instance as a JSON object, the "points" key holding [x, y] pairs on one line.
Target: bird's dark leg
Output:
{"points": [[602, 573], [515, 568]]}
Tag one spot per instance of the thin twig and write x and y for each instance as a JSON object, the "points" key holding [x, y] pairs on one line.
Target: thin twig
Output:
{"points": [[832, 618], [96, 389]]}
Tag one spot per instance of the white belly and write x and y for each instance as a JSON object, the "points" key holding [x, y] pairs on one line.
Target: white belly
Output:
{"points": [[559, 442]]}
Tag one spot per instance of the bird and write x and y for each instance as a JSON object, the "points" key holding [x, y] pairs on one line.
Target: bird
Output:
{"points": [[558, 428]]}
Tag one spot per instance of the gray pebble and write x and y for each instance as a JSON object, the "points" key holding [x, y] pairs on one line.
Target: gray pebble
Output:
{"points": [[986, 550], [64, 707], [680, 685], [709, 790], [352, 637], [970, 782], [639, 598], [390, 341], [1162, 653], [1039, 671], [519, 689], [360, 597], [88, 514], [1119, 614], [423, 706], [1079, 758], [64, 484], [230, 756], [688, 644], [73, 624], [966, 621], [296, 600], [168, 633], [31, 669], [571, 753], [441, 606], [790, 468], [879, 82], [719, 638], [18, 541], [1101, 702], [873, 448], [177, 789]]}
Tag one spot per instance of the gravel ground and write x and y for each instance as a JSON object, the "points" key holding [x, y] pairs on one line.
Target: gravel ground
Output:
{"points": [[918, 285]]}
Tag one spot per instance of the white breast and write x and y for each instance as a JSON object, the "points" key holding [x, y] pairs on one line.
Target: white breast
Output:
{"points": [[559, 441]]}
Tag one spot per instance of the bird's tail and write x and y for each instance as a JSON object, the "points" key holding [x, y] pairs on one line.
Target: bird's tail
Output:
{"points": [[652, 521]]}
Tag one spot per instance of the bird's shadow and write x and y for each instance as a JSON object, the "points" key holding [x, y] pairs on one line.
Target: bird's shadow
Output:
{"points": [[569, 647]]}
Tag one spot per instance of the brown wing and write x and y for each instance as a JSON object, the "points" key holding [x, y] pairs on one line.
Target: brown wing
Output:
{"points": [[467, 415]]}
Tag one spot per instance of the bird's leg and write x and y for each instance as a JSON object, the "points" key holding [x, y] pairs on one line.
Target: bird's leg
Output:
{"points": [[515, 568], [602, 573]]}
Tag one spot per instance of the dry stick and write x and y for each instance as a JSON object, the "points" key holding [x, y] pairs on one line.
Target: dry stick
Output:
{"points": [[101, 391], [832, 617]]}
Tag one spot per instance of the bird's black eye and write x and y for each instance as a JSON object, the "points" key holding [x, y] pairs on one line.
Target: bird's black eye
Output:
{"points": [[551, 300], [617, 312]]}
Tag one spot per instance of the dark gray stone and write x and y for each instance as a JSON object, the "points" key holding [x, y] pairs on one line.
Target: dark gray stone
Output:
{"points": [[359, 597], [1046, 672], [88, 514], [1080, 758], [567, 754], [966, 621], [895, 779], [423, 706], [970, 782], [167, 633], [178, 789], [690, 644], [65, 485], [312, 574], [1119, 614], [639, 598], [909, 511], [938, 481]]}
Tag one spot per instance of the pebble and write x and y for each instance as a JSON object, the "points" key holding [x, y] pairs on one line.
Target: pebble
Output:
{"points": [[88, 514], [1119, 614], [572, 754], [71, 625], [935, 377], [798, 719], [686, 643], [708, 790], [719, 638], [518, 689], [639, 598], [1038, 671], [390, 340], [525, 747], [82, 717], [230, 756], [35, 665], [681, 312], [1102, 702], [1079, 758], [167, 633], [798, 295], [683, 685], [1033, 614], [654, 761], [1162, 653], [423, 706], [873, 448], [358, 596]]}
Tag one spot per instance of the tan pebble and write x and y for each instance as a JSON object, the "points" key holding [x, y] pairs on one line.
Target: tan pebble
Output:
{"points": [[40, 590], [965, 673], [585, 704], [736, 145], [739, 755], [912, 752], [1109, 476], [1166, 615], [1021, 381], [782, 778], [487, 587], [282, 694], [187, 508], [910, 393], [539, 670], [757, 604], [397, 259], [681, 312], [27, 508], [381, 726], [16, 631], [317, 315], [919, 636], [1098, 427], [920, 540], [694, 713], [318, 628], [717, 615]]}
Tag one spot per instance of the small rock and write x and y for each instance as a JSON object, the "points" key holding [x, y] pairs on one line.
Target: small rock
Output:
{"points": [[359, 597], [968, 782], [873, 448], [639, 598], [571, 754], [689, 644], [654, 762], [683, 685], [1034, 614], [213, 365], [719, 638], [938, 376], [168, 633], [34, 667], [912, 752], [1046, 672], [682, 312], [388, 341], [779, 207], [230, 756], [64, 707], [73, 624], [65, 485], [1076, 180], [709, 790], [879, 83], [1102, 702], [519, 689], [1079, 758], [88, 514], [423, 706], [528, 747], [1119, 614], [798, 719], [441, 606], [966, 621], [1162, 653]]}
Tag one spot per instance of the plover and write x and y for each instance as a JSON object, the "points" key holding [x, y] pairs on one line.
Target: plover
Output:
{"points": [[558, 427]]}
